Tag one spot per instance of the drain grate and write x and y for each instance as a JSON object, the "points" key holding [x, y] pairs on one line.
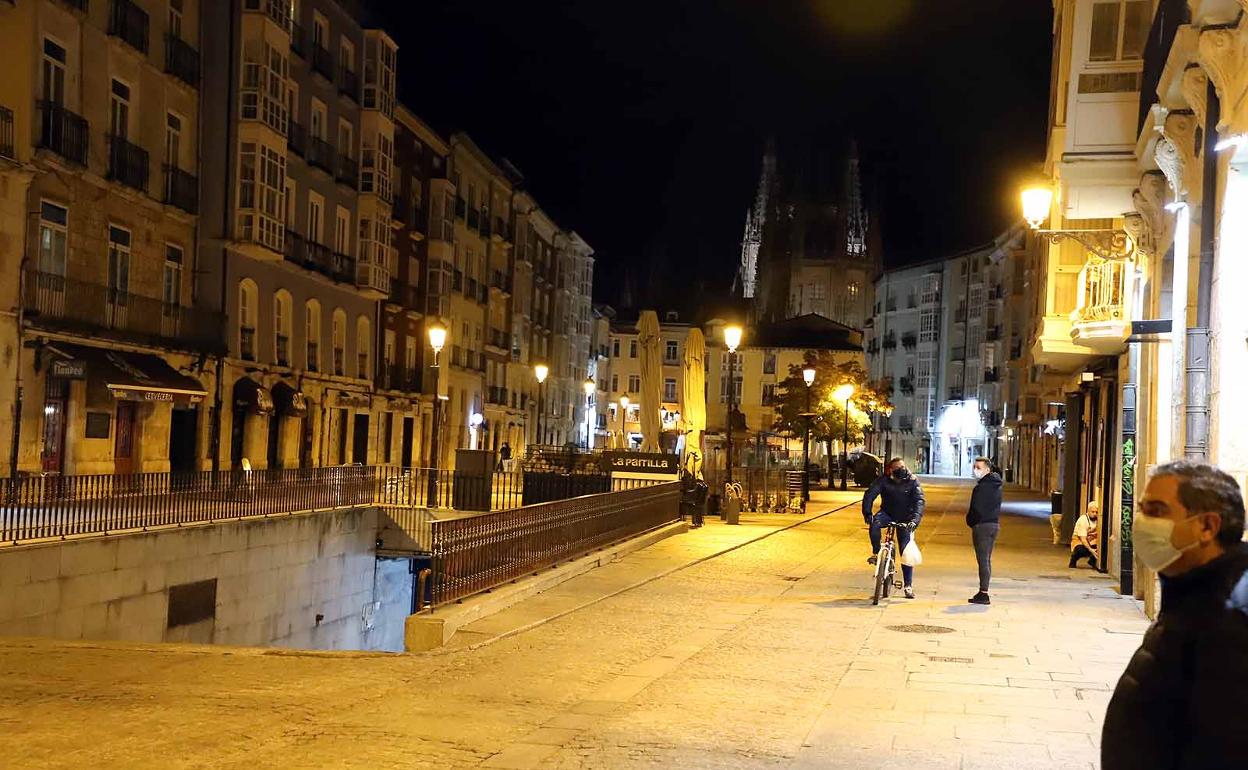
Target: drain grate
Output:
{"points": [[919, 628], [948, 659]]}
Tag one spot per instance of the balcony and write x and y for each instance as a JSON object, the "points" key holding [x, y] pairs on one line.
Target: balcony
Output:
{"points": [[498, 395], [129, 22], [485, 225], [298, 43], [318, 258], [58, 303], [282, 349], [322, 62], [247, 343], [992, 374], [348, 172], [297, 138], [6, 134], [277, 10], [457, 281], [399, 377], [321, 154], [181, 60], [993, 334], [314, 356], [372, 277], [470, 291], [63, 132], [905, 424], [500, 281], [127, 163], [909, 340], [501, 230], [457, 356], [461, 207], [498, 338], [1102, 319], [181, 189], [890, 341], [906, 384], [473, 219], [349, 83]]}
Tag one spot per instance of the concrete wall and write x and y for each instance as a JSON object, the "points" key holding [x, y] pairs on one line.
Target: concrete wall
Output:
{"points": [[274, 577]]}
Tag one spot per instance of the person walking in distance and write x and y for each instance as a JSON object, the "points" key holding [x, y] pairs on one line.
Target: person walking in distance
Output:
{"points": [[1180, 702], [902, 503], [1083, 541], [984, 519]]}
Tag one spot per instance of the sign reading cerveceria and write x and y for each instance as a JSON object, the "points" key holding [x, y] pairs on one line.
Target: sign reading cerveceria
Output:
{"points": [[640, 462]]}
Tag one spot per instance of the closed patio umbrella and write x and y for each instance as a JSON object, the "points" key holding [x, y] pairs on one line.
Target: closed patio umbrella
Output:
{"points": [[651, 379], [694, 407]]}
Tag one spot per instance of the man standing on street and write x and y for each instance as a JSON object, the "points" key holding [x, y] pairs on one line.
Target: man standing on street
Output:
{"points": [[1179, 703], [984, 519]]}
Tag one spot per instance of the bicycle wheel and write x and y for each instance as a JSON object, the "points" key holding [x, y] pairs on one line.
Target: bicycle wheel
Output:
{"points": [[881, 575], [887, 556]]}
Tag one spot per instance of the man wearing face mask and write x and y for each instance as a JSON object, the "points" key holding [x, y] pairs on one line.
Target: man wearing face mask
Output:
{"points": [[984, 519], [1179, 703], [901, 502]]}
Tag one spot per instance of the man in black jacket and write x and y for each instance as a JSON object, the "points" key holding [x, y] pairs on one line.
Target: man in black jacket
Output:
{"points": [[984, 519], [1180, 702], [901, 502]]}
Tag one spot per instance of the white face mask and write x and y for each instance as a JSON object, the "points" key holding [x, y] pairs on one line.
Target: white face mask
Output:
{"points": [[979, 472], [1151, 537]]}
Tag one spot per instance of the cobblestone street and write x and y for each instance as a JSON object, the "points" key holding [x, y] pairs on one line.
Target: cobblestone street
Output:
{"points": [[768, 655]]}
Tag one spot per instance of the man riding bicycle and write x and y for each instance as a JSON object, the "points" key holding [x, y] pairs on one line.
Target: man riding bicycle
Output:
{"points": [[901, 503]]}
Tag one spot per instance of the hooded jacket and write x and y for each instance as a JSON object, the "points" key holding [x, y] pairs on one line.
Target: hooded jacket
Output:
{"points": [[1181, 701], [985, 501]]}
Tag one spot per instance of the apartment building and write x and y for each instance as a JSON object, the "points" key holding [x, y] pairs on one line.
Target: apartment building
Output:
{"points": [[99, 138]]}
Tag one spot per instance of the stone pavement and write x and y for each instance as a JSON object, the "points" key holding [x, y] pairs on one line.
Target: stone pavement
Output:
{"points": [[769, 655]]}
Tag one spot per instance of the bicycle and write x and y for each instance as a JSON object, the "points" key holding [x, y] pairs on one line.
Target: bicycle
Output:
{"points": [[886, 563]]}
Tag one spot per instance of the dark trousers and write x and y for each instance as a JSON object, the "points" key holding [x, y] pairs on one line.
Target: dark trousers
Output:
{"points": [[877, 523], [1081, 552], [984, 537]]}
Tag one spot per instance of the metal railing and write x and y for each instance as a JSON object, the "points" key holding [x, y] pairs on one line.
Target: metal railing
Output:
{"points": [[348, 172], [475, 554], [349, 83], [181, 60], [181, 189], [318, 258], [129, 22], [297, 138], [298, 44], [63, 132], [321, 154], [127, 163], [1104, 289], [323, 61], [6, 133], [55, 302]]}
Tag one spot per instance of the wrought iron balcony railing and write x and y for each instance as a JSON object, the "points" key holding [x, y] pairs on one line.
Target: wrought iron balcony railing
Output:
{"points": [[63, 132], [323, 61], [349, 83], [297, 138], [130, 23], [348, 172], [127, 163], [181, 60], [181, 189], [321, 154]]}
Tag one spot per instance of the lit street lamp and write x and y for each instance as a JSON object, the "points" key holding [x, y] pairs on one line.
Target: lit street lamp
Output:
{"points": [[1112, 244], [624, 401], [590, 388], [540, 371], [844, 393], [808, 375], [732, 338], [437, 340]]}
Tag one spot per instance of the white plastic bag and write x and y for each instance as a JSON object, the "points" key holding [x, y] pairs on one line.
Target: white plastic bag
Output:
{"points": [[911, 557]]}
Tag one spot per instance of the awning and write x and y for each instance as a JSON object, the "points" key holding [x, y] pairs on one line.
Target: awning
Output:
{"points": [[288, 401], [128, 376], [250, 395]]}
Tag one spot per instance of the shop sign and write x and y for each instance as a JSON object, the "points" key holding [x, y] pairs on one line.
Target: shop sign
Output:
{"points": [[641, 462], [356, 400], [74, 369], [156, 396]]}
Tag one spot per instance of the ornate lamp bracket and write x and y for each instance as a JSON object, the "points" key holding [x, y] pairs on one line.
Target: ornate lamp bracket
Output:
{"points": [[1106, 244]]}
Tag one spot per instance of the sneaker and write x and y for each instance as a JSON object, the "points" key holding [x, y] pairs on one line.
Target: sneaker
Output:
{"points": [[873, 559], [909, 591], [980, 598]]}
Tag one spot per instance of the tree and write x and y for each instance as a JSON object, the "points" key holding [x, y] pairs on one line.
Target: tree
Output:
{"points": [[828, 423]]}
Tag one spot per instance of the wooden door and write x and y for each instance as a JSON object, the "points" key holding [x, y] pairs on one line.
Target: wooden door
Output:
{"points": [[54, 406], [126, 438]]}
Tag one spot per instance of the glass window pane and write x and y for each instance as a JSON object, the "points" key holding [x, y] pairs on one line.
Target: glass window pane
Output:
{"points": [[1136, 26], [1104, 43]]}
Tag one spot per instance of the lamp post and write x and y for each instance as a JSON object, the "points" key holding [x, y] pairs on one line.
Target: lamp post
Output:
{"points": [[437, 340], [844, 393], [624, 401], [1110, 244], [614, 408], [590, 388], [540, 371], [732, 338], [808, 375]]}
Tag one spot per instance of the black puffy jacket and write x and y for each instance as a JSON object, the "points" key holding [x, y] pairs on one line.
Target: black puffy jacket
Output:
{"points": [[903, 501], [1182, 700], [985, 501]]}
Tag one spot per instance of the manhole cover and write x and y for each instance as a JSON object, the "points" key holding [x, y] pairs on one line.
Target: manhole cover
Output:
{"points": [[947, 659], [919, 628]]}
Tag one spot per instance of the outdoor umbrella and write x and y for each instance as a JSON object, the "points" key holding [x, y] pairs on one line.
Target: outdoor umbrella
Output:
{"points": [[651, 379], [694, 407]]}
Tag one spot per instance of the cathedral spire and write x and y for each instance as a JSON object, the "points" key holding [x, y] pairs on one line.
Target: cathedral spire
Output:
{"points": [[855, 214], [755, 220]]}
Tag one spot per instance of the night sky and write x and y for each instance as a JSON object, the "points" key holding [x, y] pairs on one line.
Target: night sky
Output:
{"points": [[641, 125]]}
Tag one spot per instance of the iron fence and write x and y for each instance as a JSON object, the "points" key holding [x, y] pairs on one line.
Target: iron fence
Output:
{"points": [[475, 554]]}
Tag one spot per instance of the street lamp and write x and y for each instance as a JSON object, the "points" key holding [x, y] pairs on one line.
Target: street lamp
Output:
{"points": [[590, 388], [1037, 203], [540, 371], [614, 408], [624, 401], [437, 340], [808, 376], [732, 338], [844, 393]]}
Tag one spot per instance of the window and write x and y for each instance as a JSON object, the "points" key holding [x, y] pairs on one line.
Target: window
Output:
{"points": [[931, 288], [363, 347], [340, 342], [320, 30], [387, 349], [632, 348], [671, 353], [769, 362], [769, 394], [634, 383], [312, 334], [925, 374], [615, 383], [1119, 30], [346, 139], [262, 181], [53, 229], [119, 110], [53, 72], [173, 140], [171, 294], [118, 265], [175, 18], [409, 354], [723, 389], [316, 217], [319, 127], [929, 325], [281, 327], [346, 55], [342, 231], [247, 298], [669, 389], [263, 94]]}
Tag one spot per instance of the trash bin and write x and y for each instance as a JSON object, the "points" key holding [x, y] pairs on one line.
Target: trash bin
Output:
{"points": [[1056, 502], [732, 511]]}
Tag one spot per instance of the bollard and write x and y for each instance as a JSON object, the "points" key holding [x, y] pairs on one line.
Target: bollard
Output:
{"points": [[732, 510]]}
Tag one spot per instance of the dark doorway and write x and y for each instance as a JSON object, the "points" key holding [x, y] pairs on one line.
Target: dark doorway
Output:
{"points": [[387, 436], [127, 438], [342, 437], [183, 431], [55, 403], [238, 424], [409, 429], [275, 440], [359, 440], [305, 440]]}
